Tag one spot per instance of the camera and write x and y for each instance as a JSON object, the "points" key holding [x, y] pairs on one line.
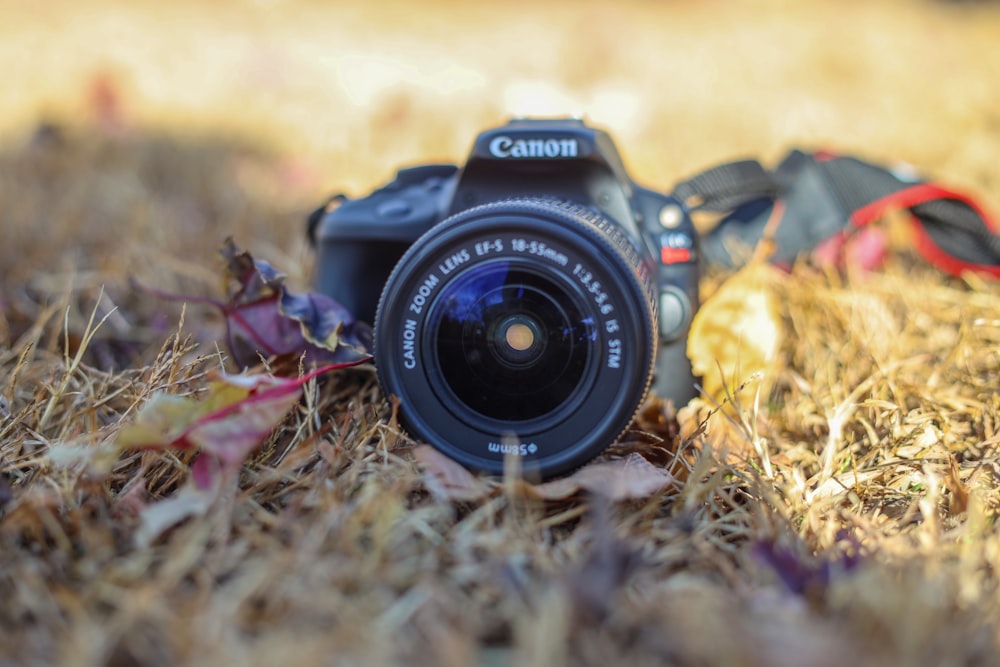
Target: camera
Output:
{"points": [[524, 302]]}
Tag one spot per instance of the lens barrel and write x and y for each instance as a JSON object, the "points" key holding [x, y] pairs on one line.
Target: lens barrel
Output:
{"points": [[525, 327]]}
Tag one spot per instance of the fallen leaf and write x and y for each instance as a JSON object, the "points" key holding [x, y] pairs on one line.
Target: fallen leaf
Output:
{"points": [[235, 415], [447, 480], [263, 317], [736, 332], [228, 423], [225, 427], [626, 479], [657, 430], [809, 576], [630, 478]]}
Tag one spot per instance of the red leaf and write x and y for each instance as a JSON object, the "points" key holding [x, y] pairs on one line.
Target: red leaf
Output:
{"points": [[263, 318], [228, 423]]}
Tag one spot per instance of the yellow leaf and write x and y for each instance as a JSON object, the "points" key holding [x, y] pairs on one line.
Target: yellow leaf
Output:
{"points": [[228, 420], [736, 332], [163, 419]]}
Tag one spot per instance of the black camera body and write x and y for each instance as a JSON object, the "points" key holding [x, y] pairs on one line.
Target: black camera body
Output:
{"points": [[524, 302]]}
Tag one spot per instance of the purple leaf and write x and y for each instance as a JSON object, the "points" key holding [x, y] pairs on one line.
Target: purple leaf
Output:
{"points": [[807, 576], [264, 319], [225, 425]]}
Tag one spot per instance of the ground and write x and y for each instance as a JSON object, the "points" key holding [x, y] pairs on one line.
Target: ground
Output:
{"points": [[842, 509]]}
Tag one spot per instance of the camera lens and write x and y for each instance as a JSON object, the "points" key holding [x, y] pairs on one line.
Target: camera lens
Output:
{"points": [[511, 344], [523, 327]]}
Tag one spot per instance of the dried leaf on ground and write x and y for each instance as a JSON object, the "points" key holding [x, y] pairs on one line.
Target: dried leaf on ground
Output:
{"points": [[736, 332], [658, 430], [595, 583], [630, 478], [263, 317], [237, 413], [809, 576], [234, 417], [225, 427], [448, 480]]}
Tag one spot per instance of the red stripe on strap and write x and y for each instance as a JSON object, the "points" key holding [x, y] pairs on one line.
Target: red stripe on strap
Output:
{"points": [[911, 196], [948, 263], [918, 194]]}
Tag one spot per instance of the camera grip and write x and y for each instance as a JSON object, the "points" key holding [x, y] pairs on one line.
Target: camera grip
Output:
{"points": [[678, 300], [673, 378]]}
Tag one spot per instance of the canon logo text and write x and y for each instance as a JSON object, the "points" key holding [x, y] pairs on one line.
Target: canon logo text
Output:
{"points": [[505, 147]]}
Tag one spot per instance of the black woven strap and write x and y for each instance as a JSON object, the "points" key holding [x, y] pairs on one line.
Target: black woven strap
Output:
{"points": [[824, 195], [727, 186]]}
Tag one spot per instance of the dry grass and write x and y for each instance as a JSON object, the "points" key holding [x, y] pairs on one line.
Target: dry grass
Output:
{"points": [[849, 519]]}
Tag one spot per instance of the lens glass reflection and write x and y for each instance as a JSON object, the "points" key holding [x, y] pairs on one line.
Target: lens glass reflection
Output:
{"points": [[510, 343]]}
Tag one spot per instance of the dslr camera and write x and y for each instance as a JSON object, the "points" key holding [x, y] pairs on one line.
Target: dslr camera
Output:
{"points": [[523, 303]]}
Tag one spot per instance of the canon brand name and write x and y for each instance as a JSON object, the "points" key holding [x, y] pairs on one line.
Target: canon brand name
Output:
{"points": [[506, 147]]}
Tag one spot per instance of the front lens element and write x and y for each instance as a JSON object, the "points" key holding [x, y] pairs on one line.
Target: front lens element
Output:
{"points": [[511, 343]]}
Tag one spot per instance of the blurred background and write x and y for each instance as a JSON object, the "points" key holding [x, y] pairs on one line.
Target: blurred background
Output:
{"points": [[354, 88], [135, 136]]}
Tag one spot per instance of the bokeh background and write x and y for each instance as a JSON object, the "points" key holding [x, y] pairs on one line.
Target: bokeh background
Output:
{"points": [[352, 89]]}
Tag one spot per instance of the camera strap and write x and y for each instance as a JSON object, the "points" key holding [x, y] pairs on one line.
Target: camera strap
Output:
{"points": [[822, 199]]}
